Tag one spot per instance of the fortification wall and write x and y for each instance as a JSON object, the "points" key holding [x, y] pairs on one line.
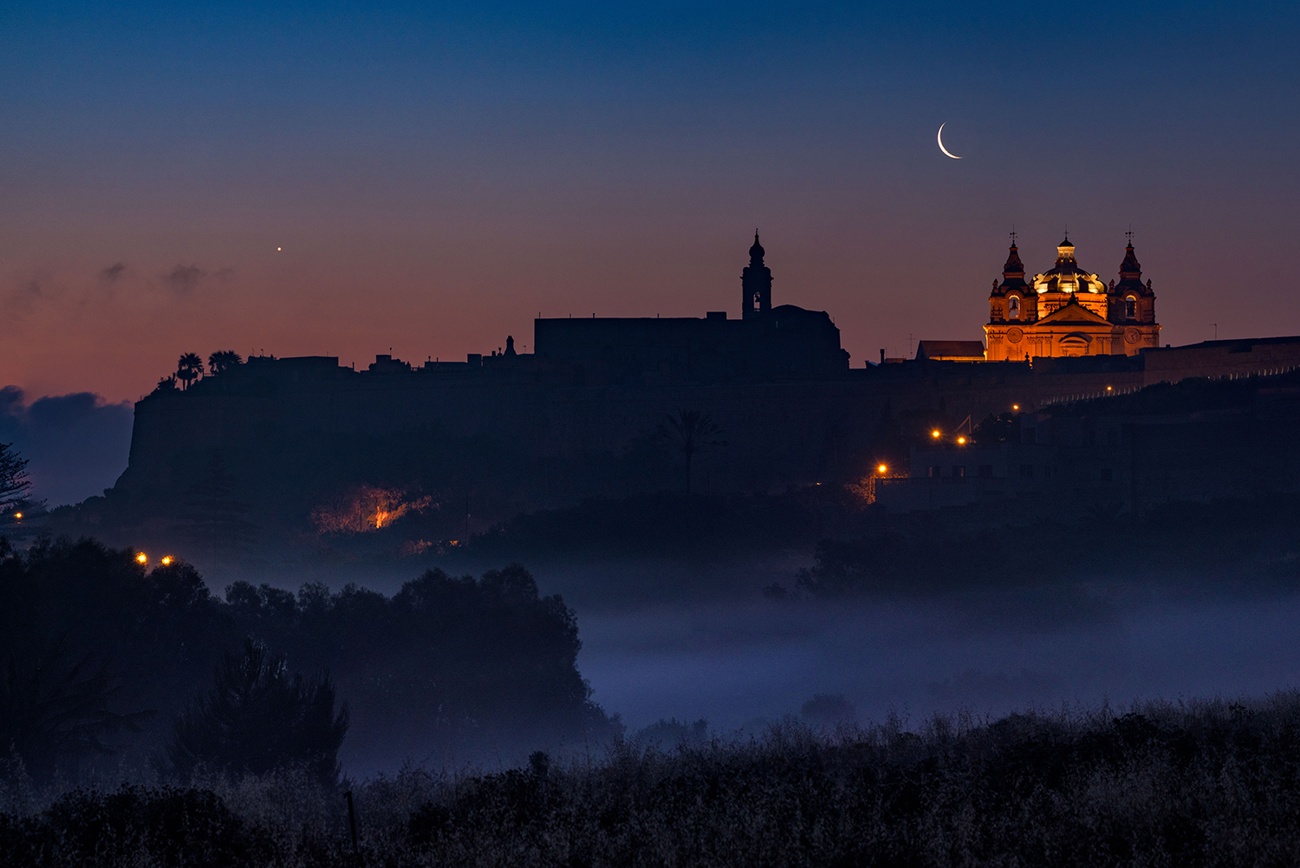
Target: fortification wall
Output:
{"points": [[1216, 359], [292, 433]]}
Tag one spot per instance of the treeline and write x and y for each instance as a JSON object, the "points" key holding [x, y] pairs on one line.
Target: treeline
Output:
{"points": [[101, 658], [1205, 784]]}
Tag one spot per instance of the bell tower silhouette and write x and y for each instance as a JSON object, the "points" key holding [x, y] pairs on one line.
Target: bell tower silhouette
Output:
{"points": [[756, 284]]}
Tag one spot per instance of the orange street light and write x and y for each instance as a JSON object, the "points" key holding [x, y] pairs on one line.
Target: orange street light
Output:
{"points": [[1015, 407], [961, 441], [935, 434], [142, 559], [882, 469], [18, 516], [167, 560]]}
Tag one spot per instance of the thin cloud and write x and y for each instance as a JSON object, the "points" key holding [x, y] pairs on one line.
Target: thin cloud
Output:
{"points": [[22, 299], [184, 279], [113, 273]]}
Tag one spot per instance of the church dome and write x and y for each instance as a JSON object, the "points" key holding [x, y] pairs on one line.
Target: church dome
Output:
{"points": [[1066, 276]]}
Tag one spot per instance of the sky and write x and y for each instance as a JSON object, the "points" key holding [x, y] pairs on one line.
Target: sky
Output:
{"points": [[424, 179]]}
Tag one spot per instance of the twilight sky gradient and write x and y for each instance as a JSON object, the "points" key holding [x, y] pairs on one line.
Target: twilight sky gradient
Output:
{"points": [[438, 178]]}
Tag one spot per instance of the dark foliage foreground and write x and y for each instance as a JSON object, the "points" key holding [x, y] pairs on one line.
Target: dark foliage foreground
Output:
{"points": [[1208, 784], [100, 655], [259, 718]]}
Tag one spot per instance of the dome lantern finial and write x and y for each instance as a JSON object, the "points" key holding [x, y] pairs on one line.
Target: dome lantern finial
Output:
{"points": [[756, 252]]}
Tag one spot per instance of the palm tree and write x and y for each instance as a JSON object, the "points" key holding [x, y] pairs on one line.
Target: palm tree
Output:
{"points": [[691, 431], [189, 368], [223, 360]]}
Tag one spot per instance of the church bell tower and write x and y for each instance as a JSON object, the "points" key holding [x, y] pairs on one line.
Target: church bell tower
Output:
{"points": [[756, 283]]}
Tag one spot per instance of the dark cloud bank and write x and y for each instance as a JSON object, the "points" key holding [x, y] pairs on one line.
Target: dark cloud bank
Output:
{"points": [[76, 444]]}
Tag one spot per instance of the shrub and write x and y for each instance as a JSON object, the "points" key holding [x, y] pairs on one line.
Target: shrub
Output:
{"points": [[259, 719]]}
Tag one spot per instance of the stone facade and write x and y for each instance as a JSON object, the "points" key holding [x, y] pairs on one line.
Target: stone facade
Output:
{"points": [[1067, 311]]}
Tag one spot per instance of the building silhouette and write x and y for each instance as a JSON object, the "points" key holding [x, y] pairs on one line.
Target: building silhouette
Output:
{"points": [[578, 416], [766, 344]]}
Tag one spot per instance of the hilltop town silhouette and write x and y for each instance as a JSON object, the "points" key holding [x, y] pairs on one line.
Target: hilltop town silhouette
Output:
{"points": [[291, 441]]}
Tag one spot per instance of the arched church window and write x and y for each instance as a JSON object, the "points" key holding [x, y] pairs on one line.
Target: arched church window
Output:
{"points": [[1013, 307], [1130, 307]]}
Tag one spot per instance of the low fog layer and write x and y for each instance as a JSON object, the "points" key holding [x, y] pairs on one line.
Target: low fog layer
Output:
{"points": [[76, 445], [702, 641], [738, 664]]}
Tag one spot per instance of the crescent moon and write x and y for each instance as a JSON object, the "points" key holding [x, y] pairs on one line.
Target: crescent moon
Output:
{"points": [[946, 152]]}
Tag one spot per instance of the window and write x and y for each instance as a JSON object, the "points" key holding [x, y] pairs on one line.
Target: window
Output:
{"points": [[1026, 471], [959, 471], [1130, 307], [934, 472], [1013, 307]]}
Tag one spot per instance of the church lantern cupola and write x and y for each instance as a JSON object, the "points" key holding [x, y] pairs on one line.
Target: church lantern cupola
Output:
{"points": [[756, 283]]}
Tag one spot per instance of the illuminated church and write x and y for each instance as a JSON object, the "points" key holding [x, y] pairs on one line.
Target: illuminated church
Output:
{"points": [[1067, 311]]}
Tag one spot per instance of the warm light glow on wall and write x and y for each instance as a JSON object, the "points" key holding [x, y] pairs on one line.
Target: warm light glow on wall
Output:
{"points": [[368, 508]]}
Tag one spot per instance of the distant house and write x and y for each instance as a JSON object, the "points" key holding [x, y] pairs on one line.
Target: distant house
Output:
{"points": [[950, 351]]}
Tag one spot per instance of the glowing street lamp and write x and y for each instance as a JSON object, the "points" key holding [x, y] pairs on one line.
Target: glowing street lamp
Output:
{"points": [[167, 560], [935, 434], [882, 469], [1015, 408], [18, 516], [142, 559], [961, 441]]}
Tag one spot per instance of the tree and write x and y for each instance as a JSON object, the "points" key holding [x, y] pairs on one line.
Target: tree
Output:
{"points": [[53, 711], [166, 384], [189, 367], [14, 483], [223, 360], [691, 431], [259, 719]]}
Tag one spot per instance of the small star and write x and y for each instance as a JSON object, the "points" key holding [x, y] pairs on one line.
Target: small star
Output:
{"points": [[279, 249]]}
